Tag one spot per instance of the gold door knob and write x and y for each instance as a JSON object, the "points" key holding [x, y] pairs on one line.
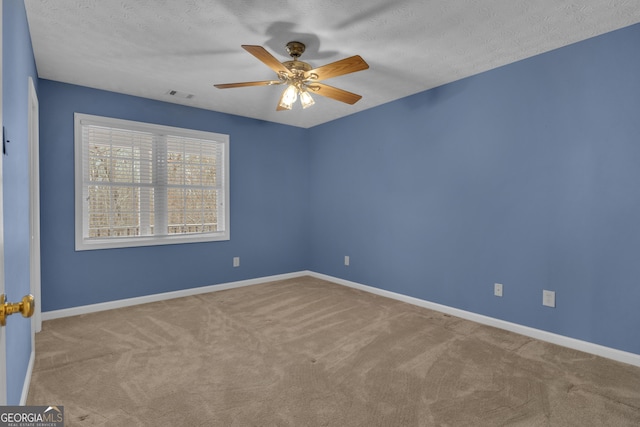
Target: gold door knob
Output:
{"points": [[26, 307]]}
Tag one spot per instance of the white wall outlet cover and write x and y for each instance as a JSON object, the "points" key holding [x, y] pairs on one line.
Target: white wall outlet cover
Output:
{"points": [[346, 260], [236, 261], [497, 289], [548, 298]]}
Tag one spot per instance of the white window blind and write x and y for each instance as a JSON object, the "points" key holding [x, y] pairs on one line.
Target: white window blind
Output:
{"points": [[139, 184]]}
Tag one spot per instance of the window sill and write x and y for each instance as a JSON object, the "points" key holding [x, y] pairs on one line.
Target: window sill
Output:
{"points": [[132, 242]]}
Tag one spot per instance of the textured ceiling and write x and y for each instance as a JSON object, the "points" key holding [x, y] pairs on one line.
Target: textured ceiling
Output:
{"points": [[148, 47]]}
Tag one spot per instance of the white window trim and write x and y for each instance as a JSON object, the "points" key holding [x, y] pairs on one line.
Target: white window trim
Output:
{"points": [[82, 244]]}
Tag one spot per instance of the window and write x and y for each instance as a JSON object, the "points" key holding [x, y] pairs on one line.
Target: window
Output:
{"points": [[139, 184]]}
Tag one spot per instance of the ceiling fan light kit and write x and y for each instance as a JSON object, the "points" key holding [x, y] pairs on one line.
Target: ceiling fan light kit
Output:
{"points": [[301, 78], [289, 96], [306, 100]]}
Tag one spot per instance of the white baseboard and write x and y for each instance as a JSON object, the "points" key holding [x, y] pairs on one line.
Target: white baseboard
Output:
{"points": [[93, 308], [587, 347], [27, 378]]}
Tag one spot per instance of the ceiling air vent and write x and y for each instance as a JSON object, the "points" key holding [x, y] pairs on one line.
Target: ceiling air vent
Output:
{"points": [[179, 94]]}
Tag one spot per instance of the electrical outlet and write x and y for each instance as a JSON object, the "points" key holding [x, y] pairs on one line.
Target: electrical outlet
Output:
{"points": [[346, 260], [548, 298], [497, 289], [236, 261]]}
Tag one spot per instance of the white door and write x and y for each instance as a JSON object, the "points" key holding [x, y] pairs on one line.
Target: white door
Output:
{"points": [[34, 208], [3, 351]]}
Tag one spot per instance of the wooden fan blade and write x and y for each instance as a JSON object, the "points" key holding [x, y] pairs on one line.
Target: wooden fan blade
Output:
{"points": [[245, 84], [339, 68], [269, 60], [334, 93]]}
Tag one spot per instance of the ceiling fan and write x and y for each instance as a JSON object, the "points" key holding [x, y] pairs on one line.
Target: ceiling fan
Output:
{"points": [[301, 78]]}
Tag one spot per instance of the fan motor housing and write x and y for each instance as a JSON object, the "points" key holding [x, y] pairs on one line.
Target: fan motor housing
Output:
{"points": [[297, 65]]}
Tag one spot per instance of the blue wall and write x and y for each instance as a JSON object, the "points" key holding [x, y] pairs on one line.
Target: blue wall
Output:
{"points": [[18, 65], [526, 175], [269, 199]]}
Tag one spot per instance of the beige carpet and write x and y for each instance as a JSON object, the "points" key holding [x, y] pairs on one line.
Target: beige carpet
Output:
{"points": [[304, 352]]}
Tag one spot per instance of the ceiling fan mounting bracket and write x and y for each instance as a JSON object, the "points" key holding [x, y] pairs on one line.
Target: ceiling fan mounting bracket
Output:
{"points": [[295, 49]]}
